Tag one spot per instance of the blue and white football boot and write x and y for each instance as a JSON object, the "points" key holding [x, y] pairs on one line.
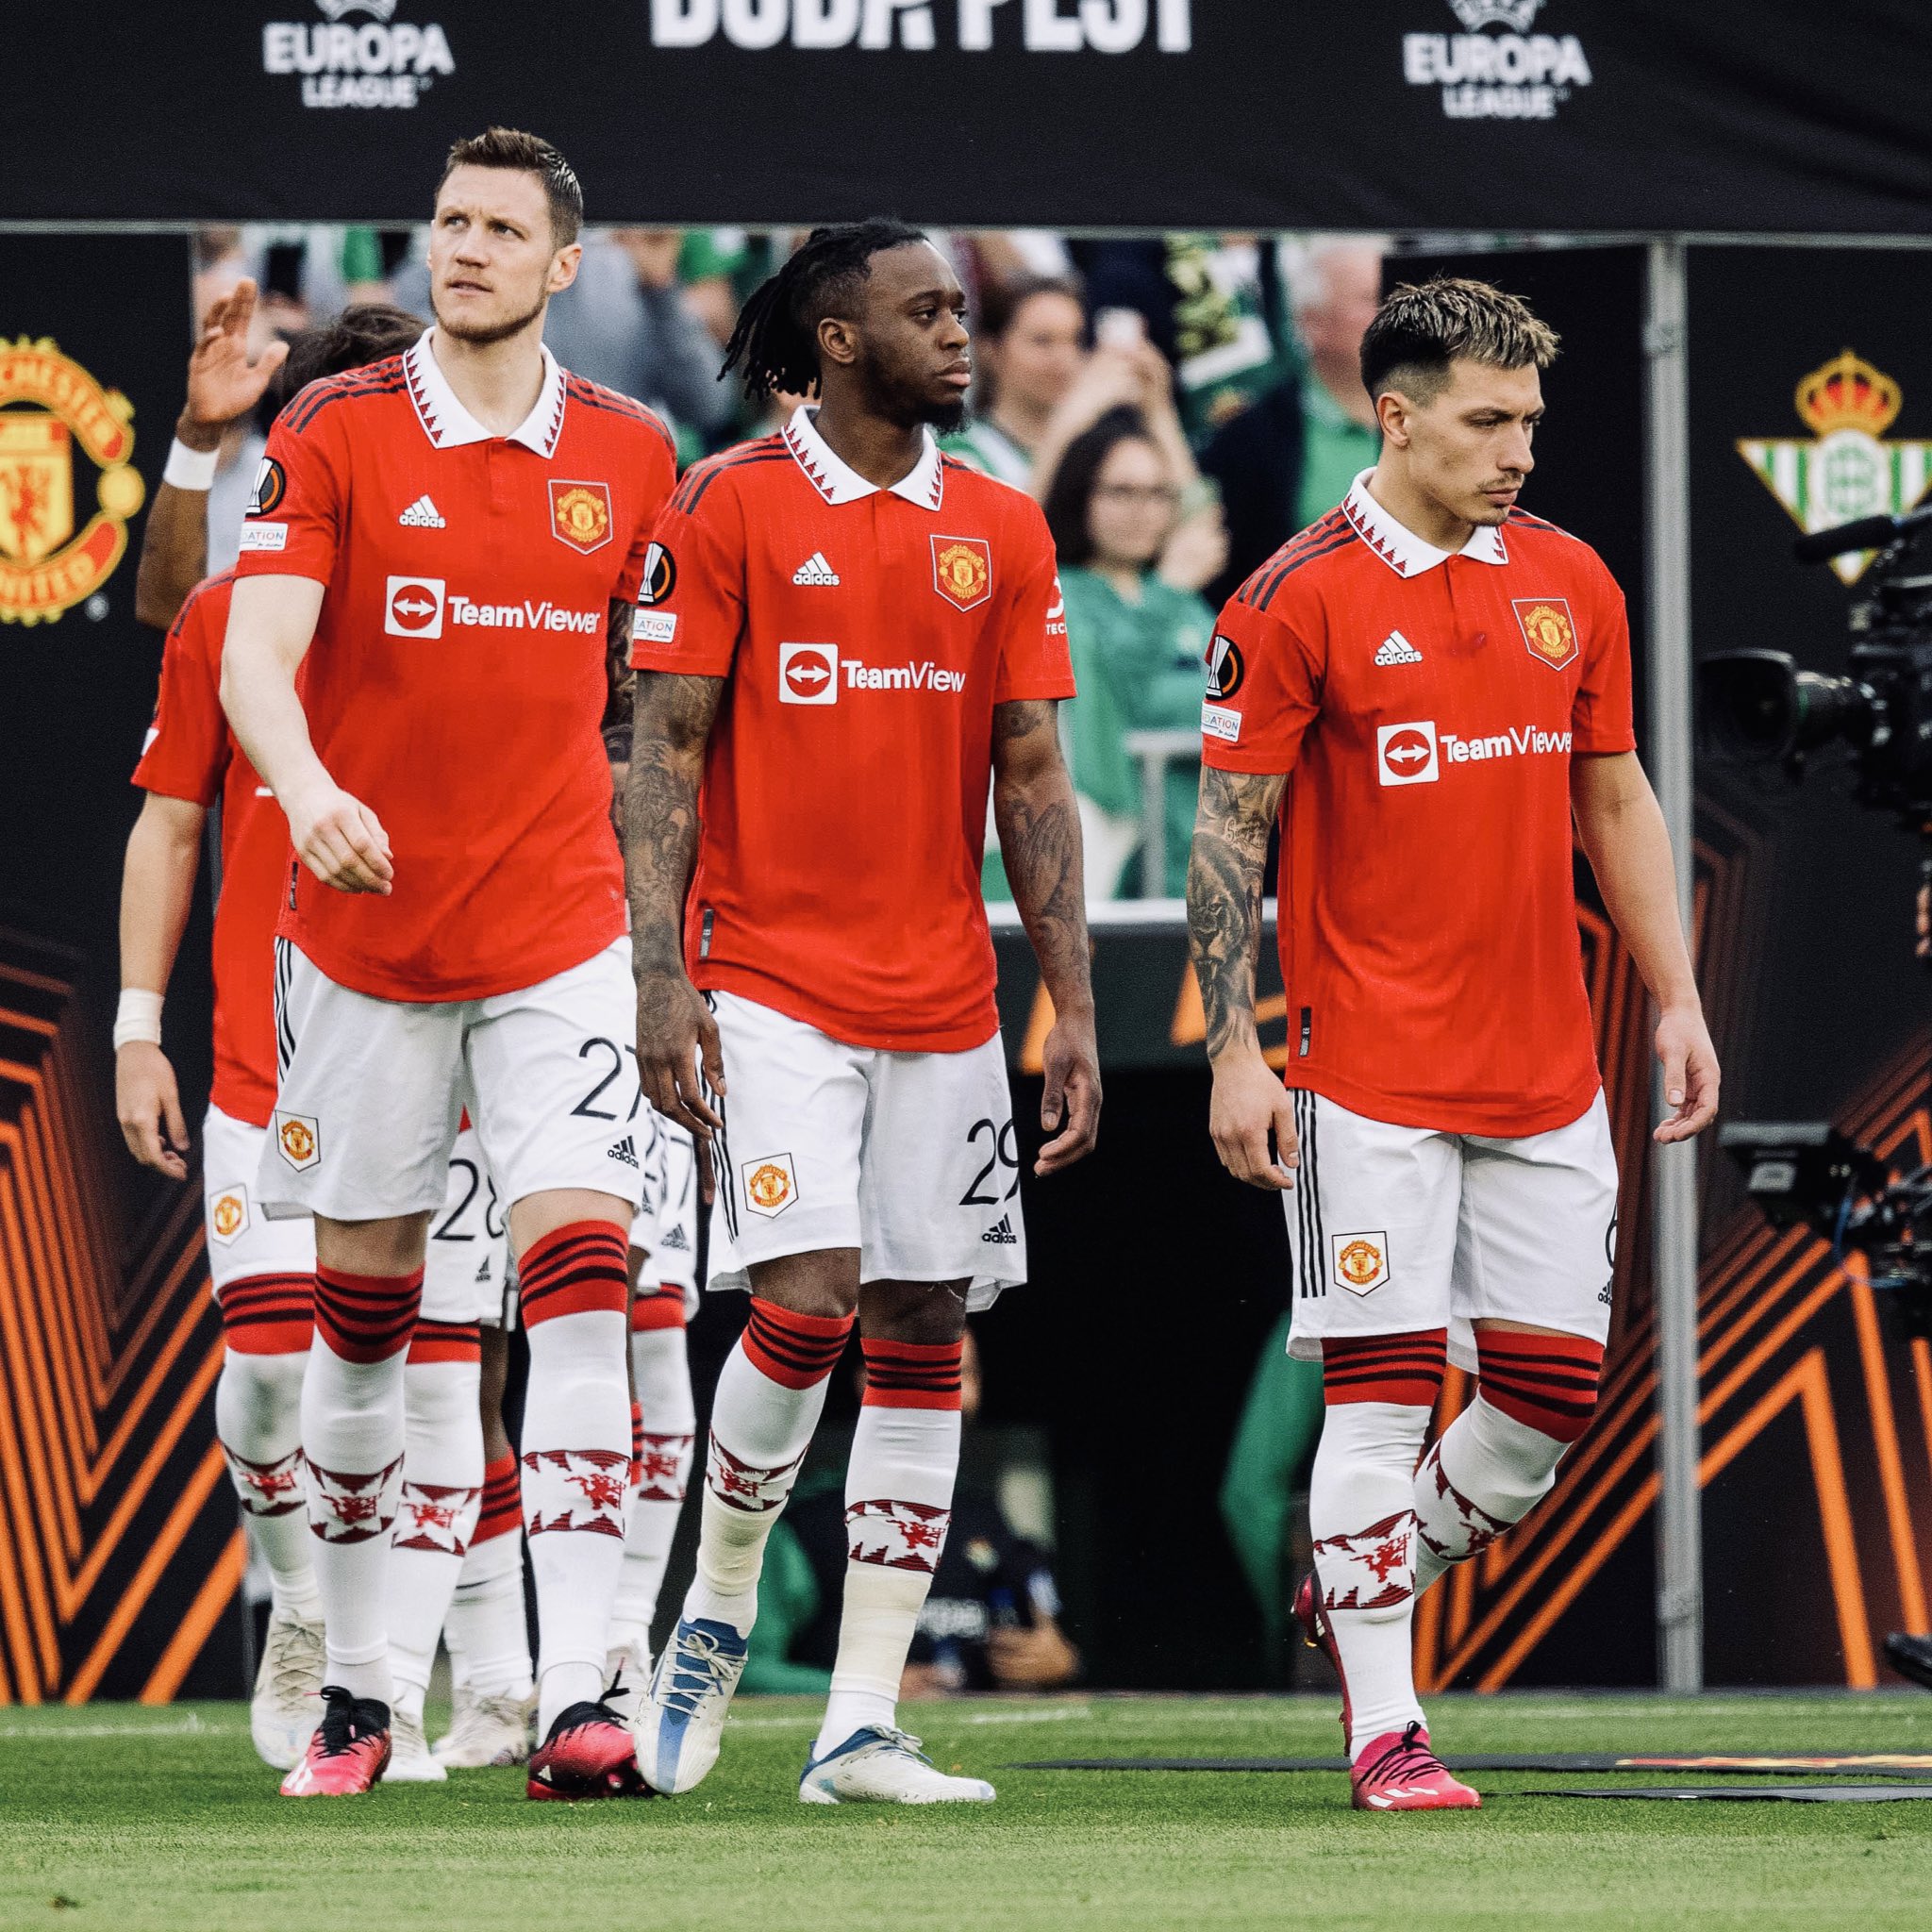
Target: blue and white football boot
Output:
{"points": [[680, 1725], [878, 1765]]}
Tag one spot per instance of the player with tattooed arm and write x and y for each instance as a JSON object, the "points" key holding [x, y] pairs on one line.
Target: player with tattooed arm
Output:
{"points": [[846, 638]]}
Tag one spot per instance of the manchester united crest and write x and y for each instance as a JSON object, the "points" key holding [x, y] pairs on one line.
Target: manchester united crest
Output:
{"points": [[299, 1139], [1361, 1261], [580, 514], [770, 1187], [1547, 629], [227, 1214], [50, 407], [962, 570]]}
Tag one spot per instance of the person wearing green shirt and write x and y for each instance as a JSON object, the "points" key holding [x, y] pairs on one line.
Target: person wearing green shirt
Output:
{"points": [[1027, 352], [1135, 549]]}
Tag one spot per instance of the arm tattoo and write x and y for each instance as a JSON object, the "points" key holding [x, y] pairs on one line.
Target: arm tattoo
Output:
{"points": [[620, 679], [660, 812], [1230, 853], [1039, 841]]}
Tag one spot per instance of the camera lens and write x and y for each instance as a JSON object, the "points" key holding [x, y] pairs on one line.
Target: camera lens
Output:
{"points": [[1748, 704]]}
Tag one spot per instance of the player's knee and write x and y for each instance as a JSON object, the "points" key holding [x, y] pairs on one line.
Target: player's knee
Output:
{"points": [[1547, 1382], [262, 1393], [928, 1314]]}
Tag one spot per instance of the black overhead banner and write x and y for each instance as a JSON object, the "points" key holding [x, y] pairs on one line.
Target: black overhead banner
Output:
{"points": [[1635, 115]]}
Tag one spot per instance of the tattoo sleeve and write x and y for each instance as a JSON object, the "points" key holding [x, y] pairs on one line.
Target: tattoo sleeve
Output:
{"points": [[1230, 853], [672, 723], [621, 681], [1038, 827]]}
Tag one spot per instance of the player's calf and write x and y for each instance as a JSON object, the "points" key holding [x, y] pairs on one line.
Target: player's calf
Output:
{"points": [[1498, 1460]]}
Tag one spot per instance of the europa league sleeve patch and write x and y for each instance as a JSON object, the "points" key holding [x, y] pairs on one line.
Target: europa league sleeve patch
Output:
{"points": [[659, 576]]}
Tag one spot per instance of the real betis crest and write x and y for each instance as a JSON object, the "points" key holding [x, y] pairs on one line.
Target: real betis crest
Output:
{"points": [[1845, 470]]}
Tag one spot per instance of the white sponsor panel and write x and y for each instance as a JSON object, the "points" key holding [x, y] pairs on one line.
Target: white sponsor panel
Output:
{"points": [[808, 673], [655, 626], [1222, 722], [1406, 754], [264, 537]]}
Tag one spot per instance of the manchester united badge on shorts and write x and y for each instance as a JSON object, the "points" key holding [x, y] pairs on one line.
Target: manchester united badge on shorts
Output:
{"points": [[1361, 1260], [580, 514], [771, 1186], [962, 570], [227, 1214], [298, 1139], [1547, 629]]}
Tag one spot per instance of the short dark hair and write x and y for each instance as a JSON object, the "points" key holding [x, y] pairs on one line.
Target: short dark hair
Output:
{"points": [[527, 154], [1420, 329], [1000, 302], [366, 333], [1069, 496], [775, 344]]}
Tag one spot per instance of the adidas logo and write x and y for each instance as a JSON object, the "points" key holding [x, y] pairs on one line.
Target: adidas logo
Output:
{"points": [[815, 570], [422, 515], [483, 1272], [1003, 1235], [625, 1152], [676, 1238], [1396, 649]]}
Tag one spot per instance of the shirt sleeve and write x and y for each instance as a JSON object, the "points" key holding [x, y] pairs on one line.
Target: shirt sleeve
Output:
{"points": [[1034, 658], [1601, 716], [691, 592], [296, 513], [1264, 685], [186, 753], [658, 477]]}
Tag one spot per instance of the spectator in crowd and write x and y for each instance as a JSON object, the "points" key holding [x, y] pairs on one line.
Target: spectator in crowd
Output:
{"points": [[1134, 555], [991, 1624], [1292, 457], [1027, 349]]}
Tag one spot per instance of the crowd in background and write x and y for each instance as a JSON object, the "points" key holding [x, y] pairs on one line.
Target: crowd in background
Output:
{"points": [[1180, 405]]}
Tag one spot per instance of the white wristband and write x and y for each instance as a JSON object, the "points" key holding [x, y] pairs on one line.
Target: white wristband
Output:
{"points": [[138, 1017], [190, 469]]}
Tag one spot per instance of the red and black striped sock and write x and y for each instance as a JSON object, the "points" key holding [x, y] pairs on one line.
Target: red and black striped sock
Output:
{"points": [[793, 1350], [1546, 1382], [503, 1503], [912, 1374], [447, 1341], [1405, 1368], [577, 1269], [366, 1318], [268, 1314]]}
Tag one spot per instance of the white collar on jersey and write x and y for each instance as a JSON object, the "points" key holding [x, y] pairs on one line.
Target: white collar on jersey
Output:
{"points": [[449, 425], [1400, 548], [836, 482]]}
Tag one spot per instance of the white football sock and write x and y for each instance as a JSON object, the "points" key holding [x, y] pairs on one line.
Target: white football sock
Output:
{"points": [[771, 1394], [259, 1421], [351, 1438], [898, 1506], [1361, 1514], [436, 1516], [487, 1631], [1487, 1471], [660, 1372]]}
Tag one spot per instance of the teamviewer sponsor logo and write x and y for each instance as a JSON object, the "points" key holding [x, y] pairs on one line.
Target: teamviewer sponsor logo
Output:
{"points": [[1406, 754], [414, 607], [807, 674]]}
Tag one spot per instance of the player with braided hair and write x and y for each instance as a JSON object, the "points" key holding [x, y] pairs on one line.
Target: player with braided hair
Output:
{"points": [[831, 796]]}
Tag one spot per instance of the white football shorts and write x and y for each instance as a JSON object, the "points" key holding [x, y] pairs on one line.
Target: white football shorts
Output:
{"points": [[242, 1241], [667, 1224], [468, 1244], [910, 1157], [1391, 1230], [372, 1090]]}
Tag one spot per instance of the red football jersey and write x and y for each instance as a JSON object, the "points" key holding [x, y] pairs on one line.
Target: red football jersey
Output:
{"points": [[192, 754], [1426, 707], [866, 635], [456, 679]]}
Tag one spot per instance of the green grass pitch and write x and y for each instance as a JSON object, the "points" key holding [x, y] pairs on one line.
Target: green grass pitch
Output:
{"points": [[138, 1820]]}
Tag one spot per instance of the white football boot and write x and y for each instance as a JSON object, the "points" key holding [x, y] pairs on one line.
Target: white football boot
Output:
{"points": [[287, 1705], [410, 1761], [486, 1731], [878, 1765], [681, 1724], [627, 1672]]}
